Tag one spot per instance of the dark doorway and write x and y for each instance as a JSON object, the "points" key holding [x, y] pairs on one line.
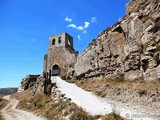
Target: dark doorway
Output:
{"points": [[55, 70]]}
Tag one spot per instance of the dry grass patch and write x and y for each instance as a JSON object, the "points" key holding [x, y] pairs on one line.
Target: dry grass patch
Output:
{"points": [[23, 98], [37, 104], [51, 109], [113, 116], [71, 81], [3, 103], [1, 117], [99, 86], [92, 85]]}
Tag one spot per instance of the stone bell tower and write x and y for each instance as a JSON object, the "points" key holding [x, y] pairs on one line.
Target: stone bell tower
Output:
{"points": [[61, 54]]}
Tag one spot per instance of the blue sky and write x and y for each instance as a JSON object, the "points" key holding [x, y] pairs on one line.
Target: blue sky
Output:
{"points": [[25, 26]]}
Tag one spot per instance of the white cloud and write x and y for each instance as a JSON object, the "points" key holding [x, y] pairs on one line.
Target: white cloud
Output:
{"points": [[68, 19], [83, 27], [94, 20], [79, 37], [75, 27], [80, 28], [86, 24], [72, 25]]}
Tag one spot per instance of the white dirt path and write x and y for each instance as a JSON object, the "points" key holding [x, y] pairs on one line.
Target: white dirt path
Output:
{"points": [[10, 112], [95, 105]]}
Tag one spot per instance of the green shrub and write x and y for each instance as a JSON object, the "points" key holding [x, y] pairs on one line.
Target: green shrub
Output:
{"points": [[60, 105], [99, 93], [64, 77], [39, 104], [79, 114], [66, 113], [37, 101], [114, 116], [48, 89], [50, 114]]}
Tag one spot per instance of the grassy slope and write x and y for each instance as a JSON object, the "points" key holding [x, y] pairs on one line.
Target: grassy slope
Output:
{"points": [[56, 109], [95, 85], [137, 94], [62, 109]]}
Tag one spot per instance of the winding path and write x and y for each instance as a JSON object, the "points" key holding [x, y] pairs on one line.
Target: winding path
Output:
{"points": [[10, 112]]}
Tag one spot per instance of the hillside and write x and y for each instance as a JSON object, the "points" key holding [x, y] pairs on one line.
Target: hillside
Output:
{"points": [[57, 107], [116, 78], [117, 97], [7, 91]]}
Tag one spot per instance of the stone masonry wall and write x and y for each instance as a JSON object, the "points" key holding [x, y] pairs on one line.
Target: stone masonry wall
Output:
{"points": [[61, 53], [129, 48], [61, 56]]}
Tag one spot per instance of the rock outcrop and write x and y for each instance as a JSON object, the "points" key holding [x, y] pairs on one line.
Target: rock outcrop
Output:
{"points": [[130, 48], [28, 82]]}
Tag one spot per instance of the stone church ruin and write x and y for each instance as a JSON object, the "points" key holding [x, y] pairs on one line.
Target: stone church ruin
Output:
{"points": [[61, 55]]}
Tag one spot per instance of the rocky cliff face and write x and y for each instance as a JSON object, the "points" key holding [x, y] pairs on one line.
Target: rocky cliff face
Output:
{"points": [[28, 82], [130, 48]]}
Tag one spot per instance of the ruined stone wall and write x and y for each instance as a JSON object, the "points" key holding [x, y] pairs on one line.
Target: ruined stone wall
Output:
{"points": [[130, 48]]}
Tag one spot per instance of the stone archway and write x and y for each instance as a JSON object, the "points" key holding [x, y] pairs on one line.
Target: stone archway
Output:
{"points": [[55, 70]]}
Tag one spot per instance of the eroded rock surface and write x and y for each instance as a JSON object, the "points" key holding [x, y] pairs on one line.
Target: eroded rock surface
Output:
{"points": [[28, 82], [130, 48]]}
